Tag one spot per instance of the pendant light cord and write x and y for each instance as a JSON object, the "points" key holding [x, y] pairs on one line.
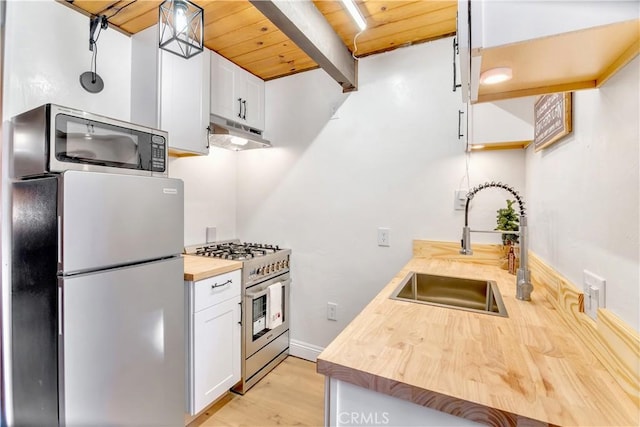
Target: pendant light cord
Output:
{"points": [[118, 10], [94, 57]]}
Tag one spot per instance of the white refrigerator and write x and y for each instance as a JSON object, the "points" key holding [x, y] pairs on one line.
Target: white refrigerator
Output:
{"points": [[97, 300]]}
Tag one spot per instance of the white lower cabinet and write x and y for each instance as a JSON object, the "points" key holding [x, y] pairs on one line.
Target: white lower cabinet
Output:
{"points": [[214, 322], [350, 405]]}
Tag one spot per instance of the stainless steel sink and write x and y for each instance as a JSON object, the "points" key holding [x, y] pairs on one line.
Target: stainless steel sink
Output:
{"points": [[481, 296]]}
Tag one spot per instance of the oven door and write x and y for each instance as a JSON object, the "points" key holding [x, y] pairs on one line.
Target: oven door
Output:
{"points": [[256, 333]]}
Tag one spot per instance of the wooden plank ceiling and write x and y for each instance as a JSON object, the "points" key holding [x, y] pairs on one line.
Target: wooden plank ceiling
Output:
{"points": [[240, 33]]}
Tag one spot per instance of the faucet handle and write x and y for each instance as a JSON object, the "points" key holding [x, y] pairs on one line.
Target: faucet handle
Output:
{"points": [[465, 242]]}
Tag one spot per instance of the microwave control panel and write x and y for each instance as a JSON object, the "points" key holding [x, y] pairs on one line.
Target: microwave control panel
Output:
{"points": [[158, 153]]}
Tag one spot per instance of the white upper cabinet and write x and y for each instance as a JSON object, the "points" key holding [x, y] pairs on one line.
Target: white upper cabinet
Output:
{"points": [[502, 124], [551, 46], [171, 93], [236, 94], [496, 23]]}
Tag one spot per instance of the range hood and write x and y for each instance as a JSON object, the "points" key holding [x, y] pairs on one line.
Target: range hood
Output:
{"points": [[234, 136]]}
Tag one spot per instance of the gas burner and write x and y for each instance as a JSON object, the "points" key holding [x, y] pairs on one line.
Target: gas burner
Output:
{"points": [[236, 250]]}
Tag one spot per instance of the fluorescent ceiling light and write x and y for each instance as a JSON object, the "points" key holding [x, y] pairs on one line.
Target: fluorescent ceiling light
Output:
{"points": [[496, 75], [355, 13]]}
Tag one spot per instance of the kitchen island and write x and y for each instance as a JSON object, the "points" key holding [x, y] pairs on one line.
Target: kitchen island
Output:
{"points": [[399, 362]]}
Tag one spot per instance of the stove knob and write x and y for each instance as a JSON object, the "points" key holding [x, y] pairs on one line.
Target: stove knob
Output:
{"points": [[276, 266], [261, 270]]}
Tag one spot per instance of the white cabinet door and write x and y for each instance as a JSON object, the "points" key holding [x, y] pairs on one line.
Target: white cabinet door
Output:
{"points": [[223, 88], [236, 94], [254, 96], [505, 22], [509, 120], [184, 108], [216, 350], [170, 93]]}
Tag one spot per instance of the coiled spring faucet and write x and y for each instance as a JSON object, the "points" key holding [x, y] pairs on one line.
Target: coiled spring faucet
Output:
{"points": [[523, 277]]}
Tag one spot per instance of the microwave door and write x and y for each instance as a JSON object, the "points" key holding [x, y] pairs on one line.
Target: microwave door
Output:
{"points": [[108, 150]]}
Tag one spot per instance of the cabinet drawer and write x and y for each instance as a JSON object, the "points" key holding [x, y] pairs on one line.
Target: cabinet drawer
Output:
{"points": [[216, 289]]}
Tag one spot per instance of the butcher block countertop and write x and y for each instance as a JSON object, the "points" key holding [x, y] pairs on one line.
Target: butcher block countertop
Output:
{"points": [[499, 371], [201, 267]]}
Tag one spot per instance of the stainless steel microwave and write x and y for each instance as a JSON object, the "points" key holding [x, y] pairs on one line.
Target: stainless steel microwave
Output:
{"points": [[52, 138]]}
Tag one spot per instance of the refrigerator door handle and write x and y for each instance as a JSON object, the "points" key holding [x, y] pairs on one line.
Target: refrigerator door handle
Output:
{"points": [[59, 239], [60, 315]]}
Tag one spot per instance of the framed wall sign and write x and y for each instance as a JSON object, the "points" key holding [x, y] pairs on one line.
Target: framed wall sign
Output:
{"points": [[552, 117]]}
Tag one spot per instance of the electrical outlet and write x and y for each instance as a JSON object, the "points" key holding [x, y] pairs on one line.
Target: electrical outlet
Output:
{"points": [[211, 234], [594, 293], [383, 236], [460, 199], [332, 309]]}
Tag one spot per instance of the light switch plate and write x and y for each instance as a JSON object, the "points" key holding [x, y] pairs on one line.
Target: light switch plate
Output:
{"points": [[460, 199], [594, 293], [211, 234]]}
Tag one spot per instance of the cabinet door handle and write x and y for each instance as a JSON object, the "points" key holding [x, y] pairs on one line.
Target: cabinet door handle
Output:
{"points": [[244, 103], [216, 285], [455, 52], [460, 113], [240, 322], [240, 107]]}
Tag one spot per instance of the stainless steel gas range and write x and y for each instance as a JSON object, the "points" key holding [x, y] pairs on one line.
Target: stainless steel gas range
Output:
{"points": [[265, 304]]}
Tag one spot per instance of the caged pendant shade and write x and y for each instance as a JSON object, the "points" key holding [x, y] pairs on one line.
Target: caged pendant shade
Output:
{"points": [[181, 26]]}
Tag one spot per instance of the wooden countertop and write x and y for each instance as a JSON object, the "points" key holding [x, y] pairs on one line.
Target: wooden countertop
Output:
{"points": [[495, 370], [200, 267]]}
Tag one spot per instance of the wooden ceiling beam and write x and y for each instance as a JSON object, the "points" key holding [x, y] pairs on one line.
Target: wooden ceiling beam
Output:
{"points": [[303, 23]]}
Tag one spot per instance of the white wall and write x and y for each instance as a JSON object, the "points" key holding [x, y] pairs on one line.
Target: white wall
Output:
{"points": [[388, 157], [209, 194], [46, 51], [585, 193]]}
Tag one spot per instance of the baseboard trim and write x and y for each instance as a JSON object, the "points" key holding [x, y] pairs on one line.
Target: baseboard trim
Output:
{"points": [[304, 350]]}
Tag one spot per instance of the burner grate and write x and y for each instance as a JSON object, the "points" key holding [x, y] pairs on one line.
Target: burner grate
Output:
{"points": [[236, 251]]}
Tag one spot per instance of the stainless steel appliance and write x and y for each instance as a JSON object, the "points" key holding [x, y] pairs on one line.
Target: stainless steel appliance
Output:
{"points": [[53, 138], [263, 348], [97, 299]]}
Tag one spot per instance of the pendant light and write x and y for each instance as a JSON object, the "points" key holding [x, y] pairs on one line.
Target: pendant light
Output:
{"points": [[181, 27]]}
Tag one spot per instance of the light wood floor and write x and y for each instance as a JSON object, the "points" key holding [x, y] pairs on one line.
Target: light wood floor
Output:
{"points": [[290, 395]]}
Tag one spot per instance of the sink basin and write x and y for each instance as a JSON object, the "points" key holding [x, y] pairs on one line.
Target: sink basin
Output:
{"points": [[481, 296]]}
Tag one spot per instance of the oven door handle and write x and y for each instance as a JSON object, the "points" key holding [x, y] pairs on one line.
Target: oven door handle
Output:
{"points": [[254, 295]]}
